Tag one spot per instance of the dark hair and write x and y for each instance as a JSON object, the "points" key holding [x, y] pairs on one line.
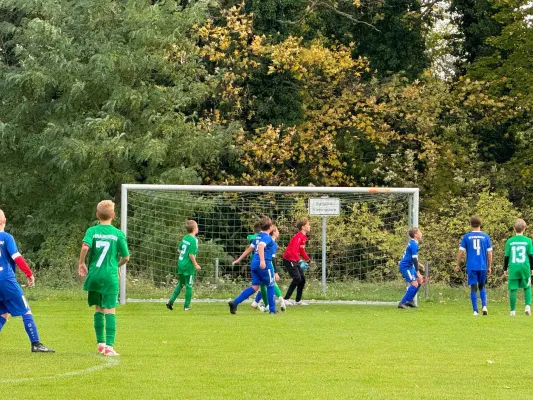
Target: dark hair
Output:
{"points": [[475, 221], [301, 223], [412, 232], [265, 223], [257, 227]]}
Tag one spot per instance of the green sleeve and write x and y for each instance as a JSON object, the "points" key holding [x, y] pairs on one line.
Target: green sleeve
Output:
{"points": [[88, 238], [122, 245], [507, 248], [194, 246], [530, 248]]}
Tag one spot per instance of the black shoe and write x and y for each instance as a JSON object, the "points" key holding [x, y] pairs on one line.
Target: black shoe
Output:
{"points": [[403, 305], [38, 347], [169, 306], [232, 307], [411, 304]]}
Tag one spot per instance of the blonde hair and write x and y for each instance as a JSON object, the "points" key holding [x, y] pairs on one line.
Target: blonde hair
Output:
{"points": [[520, 225], [105, 210], [190, 225]]}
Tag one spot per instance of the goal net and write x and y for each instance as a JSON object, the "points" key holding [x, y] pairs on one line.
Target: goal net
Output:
{"points": [[363, 243]]}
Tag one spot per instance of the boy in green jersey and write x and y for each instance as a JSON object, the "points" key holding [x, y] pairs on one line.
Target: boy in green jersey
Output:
{"points": [[107, 251], [187, 265], [517, 265]]}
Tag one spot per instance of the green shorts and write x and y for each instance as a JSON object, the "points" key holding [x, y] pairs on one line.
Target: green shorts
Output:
{"points": [[102, 300], [186, 280], [515, 284]]}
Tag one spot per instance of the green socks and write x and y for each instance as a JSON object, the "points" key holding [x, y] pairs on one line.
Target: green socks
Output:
{"points": [[527, 295], [277, 290], [99, 326], [175, 294], [512, 297], [188, 296], [110, 329]]}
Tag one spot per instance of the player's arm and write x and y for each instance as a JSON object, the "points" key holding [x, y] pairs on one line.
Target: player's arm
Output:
{"points": [[460, 255], [12, 249], [489, 261], [82, 268], [261, 253], [123, 260], [193, 259], [506, 264], [303, 254], [244, 254]]}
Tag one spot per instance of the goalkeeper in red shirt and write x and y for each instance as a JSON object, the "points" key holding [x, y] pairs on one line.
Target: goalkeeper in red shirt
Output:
{"points": [[291, 261]]}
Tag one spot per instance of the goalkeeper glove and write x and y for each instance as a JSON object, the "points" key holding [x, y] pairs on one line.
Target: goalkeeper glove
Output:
{"points": [[304, 265]]}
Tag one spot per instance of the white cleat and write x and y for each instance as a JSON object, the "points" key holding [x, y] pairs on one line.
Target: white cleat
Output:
{"points": [[255, 304], [101, 348], [301, 303], [282, 305], [485, 311], [110, 352], [261, 308], [475, 314], [528, 310], [288, 303], [186, 308], [512, 314]]}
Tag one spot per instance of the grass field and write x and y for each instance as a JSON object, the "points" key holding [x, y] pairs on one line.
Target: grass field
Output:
{"points": [[439, 351]]}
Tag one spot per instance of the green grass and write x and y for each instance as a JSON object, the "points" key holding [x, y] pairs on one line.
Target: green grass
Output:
{"points": [[318, 352]]}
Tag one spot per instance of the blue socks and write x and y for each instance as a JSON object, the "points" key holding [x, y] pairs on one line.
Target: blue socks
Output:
{"points": [[410, 294], [244, 295], [473, 298], [2, 322], [31, 328], [258, 297], [271, 299], [483, 295]]}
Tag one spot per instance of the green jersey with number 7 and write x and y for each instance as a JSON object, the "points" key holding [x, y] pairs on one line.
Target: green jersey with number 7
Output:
{"points": [[106, 245]]}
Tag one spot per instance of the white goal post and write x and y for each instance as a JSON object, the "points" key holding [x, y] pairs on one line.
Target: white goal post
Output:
{"points": [[386, 210]]}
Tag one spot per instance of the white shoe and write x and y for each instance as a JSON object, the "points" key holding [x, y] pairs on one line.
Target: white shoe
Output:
{"points": [[186, 308], [475, 314], [110, 352], [282, 305], [512, 314], [485, 311], [288, 302], [101, 348], [528, 310], [255, 304], [261, 308], [301, 303]]}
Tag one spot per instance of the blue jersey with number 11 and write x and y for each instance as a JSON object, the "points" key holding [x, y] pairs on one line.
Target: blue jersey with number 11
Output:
{"points": [[476, 244]]}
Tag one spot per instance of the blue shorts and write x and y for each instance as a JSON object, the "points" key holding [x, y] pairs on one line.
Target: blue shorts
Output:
{"points": [[409, 274], [260, 276], [12, 299], [477, 277]]}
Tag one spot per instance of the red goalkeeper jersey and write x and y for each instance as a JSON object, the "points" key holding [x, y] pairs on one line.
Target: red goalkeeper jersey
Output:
{"points": [[296, 248]]}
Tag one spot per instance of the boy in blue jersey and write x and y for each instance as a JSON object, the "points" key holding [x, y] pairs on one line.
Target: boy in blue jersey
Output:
{"points": [[409, 266], [478, 249], [262, 246], [12, 300]]}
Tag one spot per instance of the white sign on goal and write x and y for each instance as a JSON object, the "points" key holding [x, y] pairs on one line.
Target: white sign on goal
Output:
{"points": [[325, 207]]}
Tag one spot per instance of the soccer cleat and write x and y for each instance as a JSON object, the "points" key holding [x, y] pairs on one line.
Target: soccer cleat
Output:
{"points": [[101, 348], [288, 302], [110, 352], [528, 310], [38, 347], [261, 308], [411, 304], [475, 314], [232, 307], [186, 308], [255, 304], [485, 311], [301, 303], [282, 305], [403, 306], [169, 306], [512, 313]]}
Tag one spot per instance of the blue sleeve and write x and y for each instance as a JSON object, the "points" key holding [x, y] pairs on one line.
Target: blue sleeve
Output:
{"points": [[11, 246], [489, 244], [463, 243], [414, 254]]}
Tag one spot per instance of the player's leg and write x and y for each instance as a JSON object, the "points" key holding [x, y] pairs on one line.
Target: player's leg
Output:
{"points": [[295, 275], [256, 282], [300, 287], [473, 282], [409, 275], [95, 299], [482, 281], [526, 285], [268, 280], [177, 291], [110, 330], [189, 282], [3, 315]]}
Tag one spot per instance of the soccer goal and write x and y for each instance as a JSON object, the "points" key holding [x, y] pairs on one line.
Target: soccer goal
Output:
{"points": [[357, 234]]}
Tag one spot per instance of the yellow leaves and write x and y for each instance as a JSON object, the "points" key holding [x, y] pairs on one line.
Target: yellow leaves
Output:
{"points": [[357, 3]]}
